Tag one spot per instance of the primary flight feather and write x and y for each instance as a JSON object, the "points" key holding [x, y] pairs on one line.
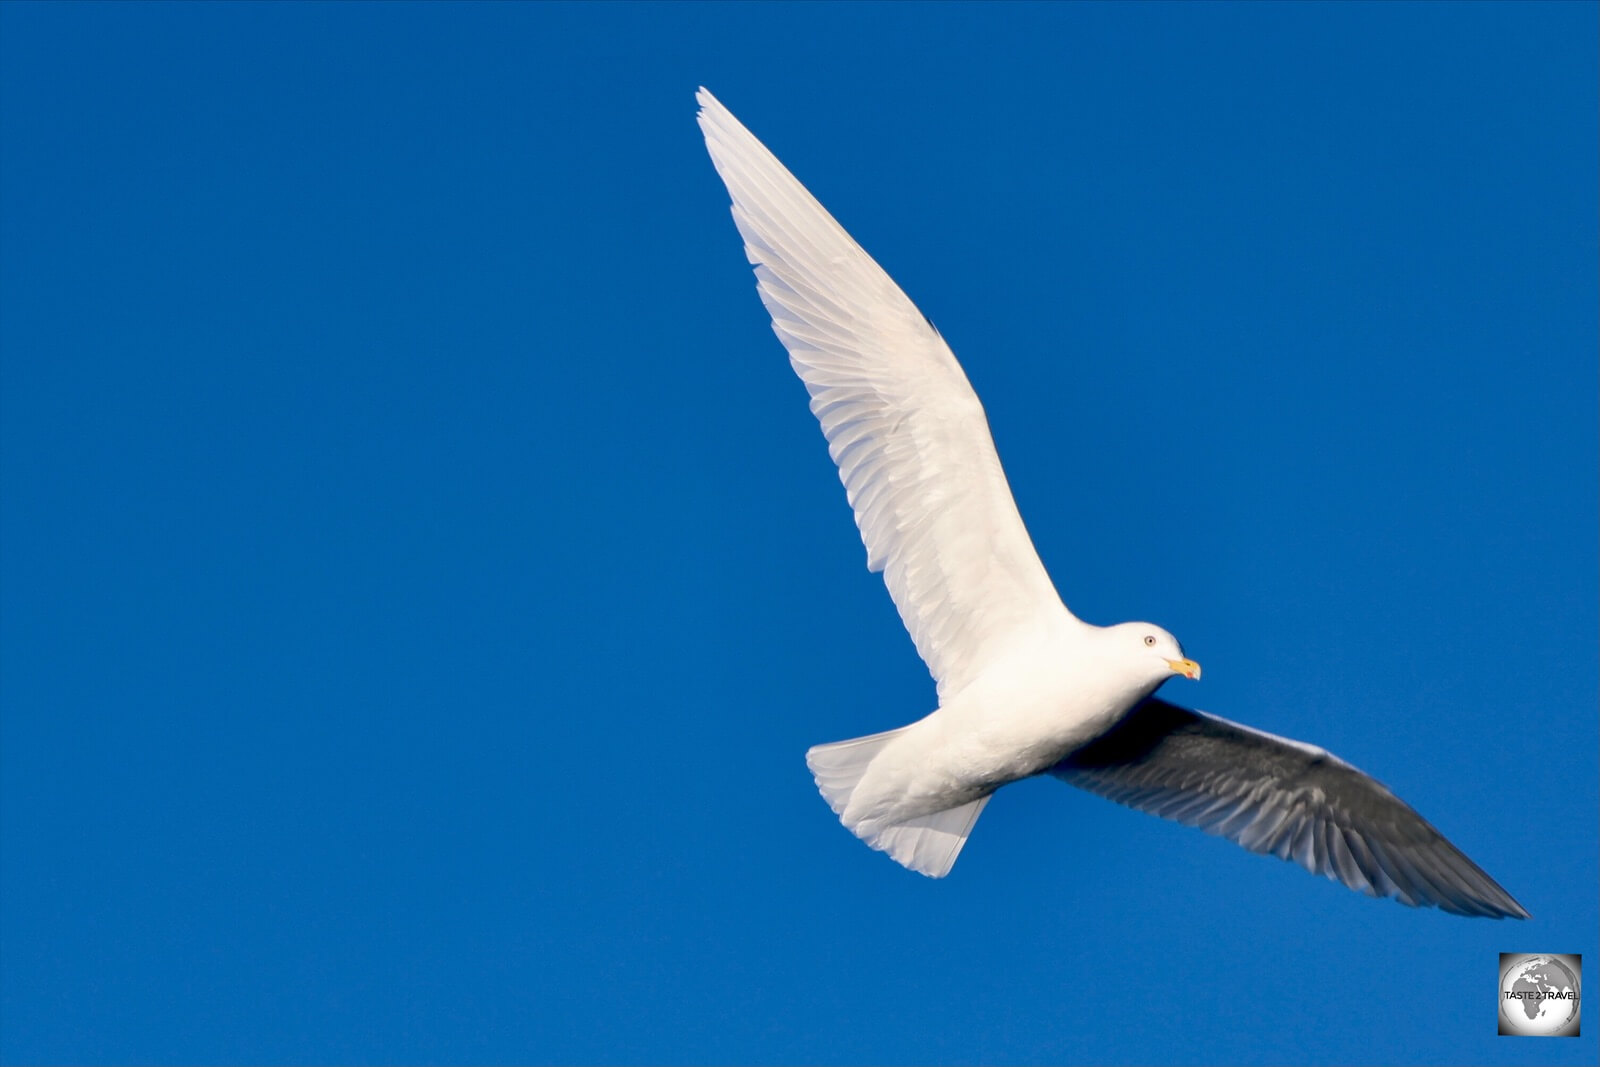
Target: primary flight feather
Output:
{"points": [[1024, 686]]}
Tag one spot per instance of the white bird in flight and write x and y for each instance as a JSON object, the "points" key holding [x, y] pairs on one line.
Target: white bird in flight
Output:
{"points": [[1024, 686]]}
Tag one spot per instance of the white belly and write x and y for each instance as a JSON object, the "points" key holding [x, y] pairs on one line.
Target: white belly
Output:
{"points": [[1018, 719]]}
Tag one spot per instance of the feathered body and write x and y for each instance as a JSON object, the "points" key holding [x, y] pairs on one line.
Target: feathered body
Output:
{"points": [[1024, 687]]}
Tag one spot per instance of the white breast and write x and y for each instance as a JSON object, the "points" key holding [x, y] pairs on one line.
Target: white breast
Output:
{"points": [[1021, 716]]}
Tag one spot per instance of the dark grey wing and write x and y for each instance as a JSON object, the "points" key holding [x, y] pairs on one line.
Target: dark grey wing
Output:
{"points": [[1282, 798]]}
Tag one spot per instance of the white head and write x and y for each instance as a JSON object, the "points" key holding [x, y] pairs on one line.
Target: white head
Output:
{"points": [[1150, 652]]}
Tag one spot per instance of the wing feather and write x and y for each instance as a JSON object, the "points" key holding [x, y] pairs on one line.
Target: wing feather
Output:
{"points": [[903, 425], [1282, 798]]}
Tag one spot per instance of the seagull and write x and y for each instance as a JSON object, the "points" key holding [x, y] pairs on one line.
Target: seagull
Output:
{"points": [[1024, 686]]}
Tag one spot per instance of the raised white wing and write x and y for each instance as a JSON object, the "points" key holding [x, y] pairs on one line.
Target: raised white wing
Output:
{"points": [[902, 423]]}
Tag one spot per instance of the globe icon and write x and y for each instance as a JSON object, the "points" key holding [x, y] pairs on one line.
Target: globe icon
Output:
{"points": [[1539, 997]]}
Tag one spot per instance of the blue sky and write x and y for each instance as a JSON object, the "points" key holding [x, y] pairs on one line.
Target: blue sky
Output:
{"points": [[421, 576]]}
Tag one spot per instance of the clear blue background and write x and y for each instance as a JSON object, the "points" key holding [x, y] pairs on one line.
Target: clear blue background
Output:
{"points": [[422, 576]]}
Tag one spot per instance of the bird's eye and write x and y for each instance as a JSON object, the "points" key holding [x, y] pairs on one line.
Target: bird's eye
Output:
{"points": [[1149, 640]]}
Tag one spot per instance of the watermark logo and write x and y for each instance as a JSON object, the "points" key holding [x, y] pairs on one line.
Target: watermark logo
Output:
{"points": [[1540, 995]]}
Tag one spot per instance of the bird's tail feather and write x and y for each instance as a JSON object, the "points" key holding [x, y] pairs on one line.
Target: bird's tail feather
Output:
{"points": [[928, 844], [838, 767]]}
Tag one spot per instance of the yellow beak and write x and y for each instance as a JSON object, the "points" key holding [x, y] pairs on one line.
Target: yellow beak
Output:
{"points": [[1186, 667]]}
